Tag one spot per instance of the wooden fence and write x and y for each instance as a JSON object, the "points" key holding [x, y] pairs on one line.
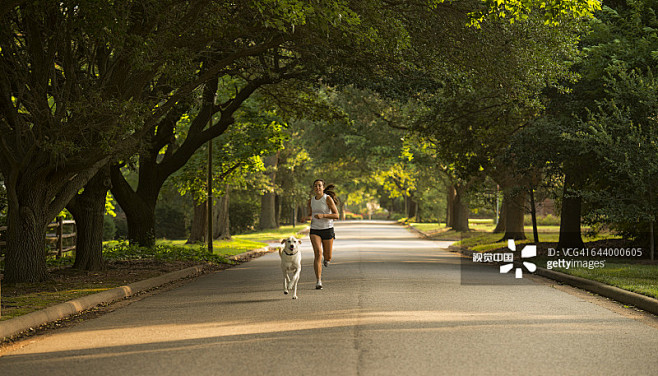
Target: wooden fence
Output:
{"points": [[56, 238]]}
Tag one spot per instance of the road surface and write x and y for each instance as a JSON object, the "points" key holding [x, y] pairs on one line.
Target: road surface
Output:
{"points": [[393, 304]]}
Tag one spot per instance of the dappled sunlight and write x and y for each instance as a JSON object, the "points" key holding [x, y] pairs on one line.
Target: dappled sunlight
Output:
{"points": [[414, 321]]}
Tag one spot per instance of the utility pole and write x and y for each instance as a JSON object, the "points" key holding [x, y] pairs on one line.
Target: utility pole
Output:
{"points": [[497, 204], [209, 202]]}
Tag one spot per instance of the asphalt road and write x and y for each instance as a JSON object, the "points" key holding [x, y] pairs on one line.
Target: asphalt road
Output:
{"points": [[393, 304]]}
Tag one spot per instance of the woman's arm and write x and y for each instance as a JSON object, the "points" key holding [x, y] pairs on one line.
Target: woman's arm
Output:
{"points": [[332, 207]]}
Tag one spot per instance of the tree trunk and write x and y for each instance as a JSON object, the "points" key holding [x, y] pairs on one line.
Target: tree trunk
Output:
{"points": [[341, 210], [267, 216], [277, 210], [139, 205], [25, 256], [570, 233], [141, 227], [500, 227], [268, 200], [533, 212], [460, 223], [412, 207], [459, 210], [514, 203], [222, 223], [198, 231], [450, 205], [88, 209], [405, 199], [35, 196]]}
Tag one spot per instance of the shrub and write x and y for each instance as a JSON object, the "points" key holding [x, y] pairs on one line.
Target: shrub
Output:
{"points": [[380, 215], [398, 217], [124, 251], [170, 222], [121, 226], [242, 216], [109, 228], [350, 215], [547, 220]]}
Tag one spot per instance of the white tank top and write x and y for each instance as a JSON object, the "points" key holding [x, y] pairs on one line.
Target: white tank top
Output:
{"points": [[320, 207]]}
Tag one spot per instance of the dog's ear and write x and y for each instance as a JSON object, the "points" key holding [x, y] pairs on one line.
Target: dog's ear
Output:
{"points": [[283, 241], [299, 241]]}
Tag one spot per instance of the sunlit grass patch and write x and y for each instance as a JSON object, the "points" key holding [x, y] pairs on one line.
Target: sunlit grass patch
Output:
{"points": [[273, 234], [642, 279], [14, 306], [429, 227], [220, 247], [632, 276], [166, 255]]}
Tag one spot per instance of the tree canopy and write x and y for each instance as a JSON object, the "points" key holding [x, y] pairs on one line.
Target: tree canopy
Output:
{"points": [[90, 83]]}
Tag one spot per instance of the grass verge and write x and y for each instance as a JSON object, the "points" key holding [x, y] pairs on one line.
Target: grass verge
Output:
{"points": [[642, 279], [636, 275], [127, 264]]}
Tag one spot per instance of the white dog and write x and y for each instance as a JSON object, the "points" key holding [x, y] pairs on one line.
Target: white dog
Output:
{"points": [[291, 263]]}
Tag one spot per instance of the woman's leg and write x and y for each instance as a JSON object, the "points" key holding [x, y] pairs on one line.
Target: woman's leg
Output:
{"points": [[327, 249], [316, 242]]}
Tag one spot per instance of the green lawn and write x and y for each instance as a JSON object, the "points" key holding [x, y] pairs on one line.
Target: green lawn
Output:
{"points": [[272, 235], [166, 250], [642, 279], [220, 247], [39, 300], [240, 243], [631, 276], [428, 227]]}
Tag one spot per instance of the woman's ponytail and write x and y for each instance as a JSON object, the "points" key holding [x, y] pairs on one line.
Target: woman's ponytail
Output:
{"points": [[329, 190]]}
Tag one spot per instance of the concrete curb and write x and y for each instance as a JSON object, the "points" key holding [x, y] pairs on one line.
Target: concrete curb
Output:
{"points": [[32, 320], [60, 311], [417, 231], [623, 296], [425, 235]]}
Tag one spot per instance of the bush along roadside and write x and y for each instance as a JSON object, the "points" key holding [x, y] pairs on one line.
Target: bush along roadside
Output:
{"points": [[164, 253]]}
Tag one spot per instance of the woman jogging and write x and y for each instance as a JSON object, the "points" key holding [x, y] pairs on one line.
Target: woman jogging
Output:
{"points": [[322, 207]]}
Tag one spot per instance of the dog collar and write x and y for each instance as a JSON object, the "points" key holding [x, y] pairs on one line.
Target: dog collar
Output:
{"points": [[289, 254]]}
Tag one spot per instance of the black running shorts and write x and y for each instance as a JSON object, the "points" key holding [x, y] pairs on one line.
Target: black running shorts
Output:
{"points": [[325, 234]]}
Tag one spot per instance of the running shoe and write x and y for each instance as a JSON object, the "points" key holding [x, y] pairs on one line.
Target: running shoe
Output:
{"points": [[318, 285]]}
